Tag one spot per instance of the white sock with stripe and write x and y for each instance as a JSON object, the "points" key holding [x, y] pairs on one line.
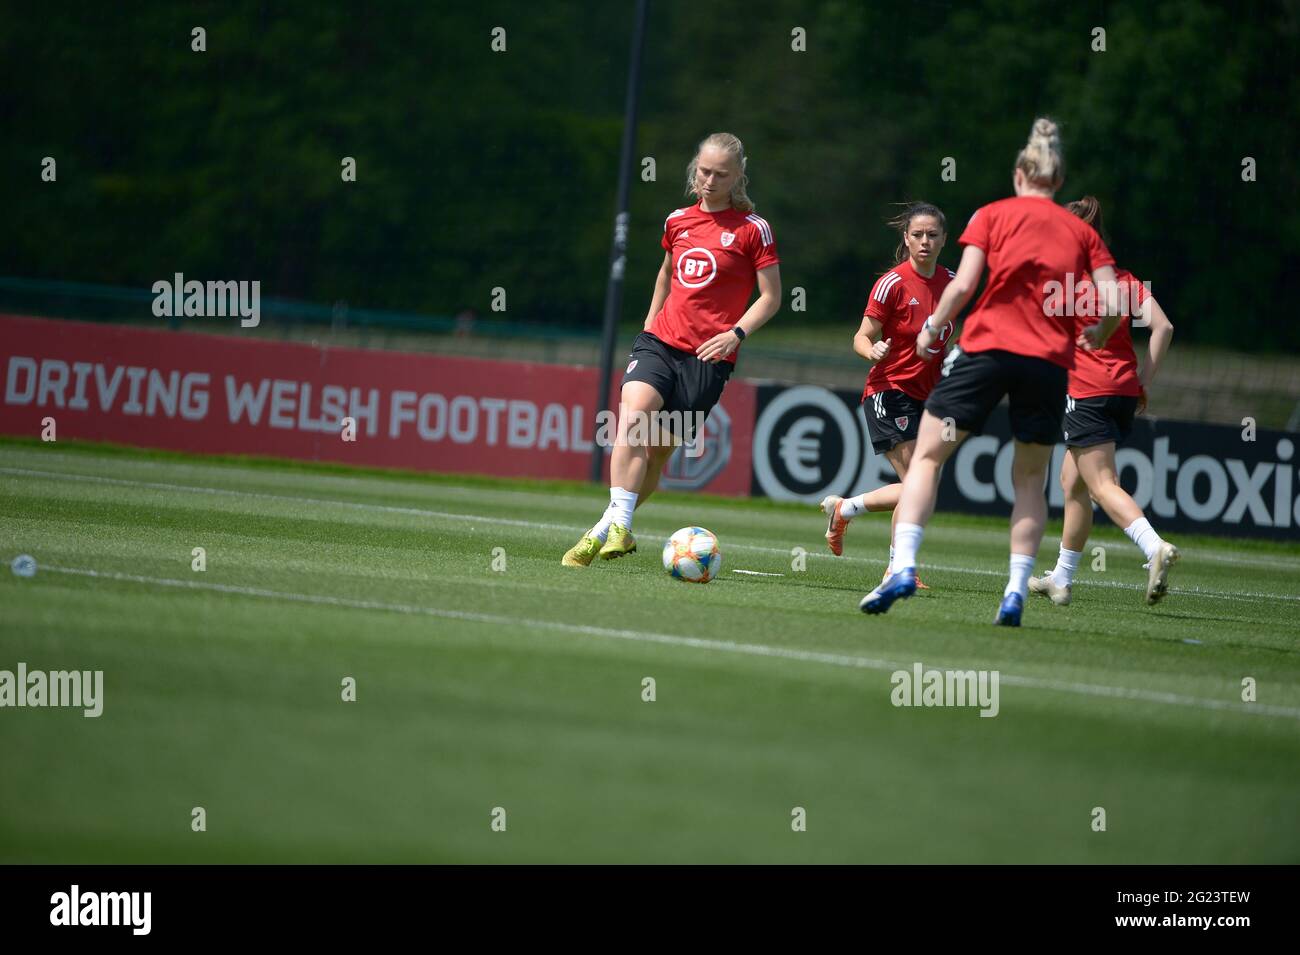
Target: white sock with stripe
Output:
{"points": [[622, 503], [853, 506], [601, 530]]}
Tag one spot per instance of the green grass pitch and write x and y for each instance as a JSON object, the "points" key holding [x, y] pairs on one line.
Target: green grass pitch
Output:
{"points": [[522, 688]]}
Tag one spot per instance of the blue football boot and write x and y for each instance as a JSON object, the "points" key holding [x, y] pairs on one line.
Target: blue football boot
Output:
{"points": [[901, 584]]}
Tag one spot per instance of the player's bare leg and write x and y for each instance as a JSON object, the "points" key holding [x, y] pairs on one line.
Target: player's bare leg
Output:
{"points": [[935, 443], [629, 463], [1056, 583], [659, 456], [900, 456], [1097, 468], [611, 536], [1028, 517], [840, 510]]}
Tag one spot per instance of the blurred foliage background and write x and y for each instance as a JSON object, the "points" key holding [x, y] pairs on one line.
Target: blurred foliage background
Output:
{"points": [[478, 169]]}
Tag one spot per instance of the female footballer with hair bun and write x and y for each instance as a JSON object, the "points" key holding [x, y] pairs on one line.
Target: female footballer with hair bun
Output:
{"points": [[1106, 391], [899, 380], [1012, 345], [715, 251]]}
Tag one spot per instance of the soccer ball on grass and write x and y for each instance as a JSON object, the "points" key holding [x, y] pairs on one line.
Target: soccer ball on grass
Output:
{"points": [[692, 555]]}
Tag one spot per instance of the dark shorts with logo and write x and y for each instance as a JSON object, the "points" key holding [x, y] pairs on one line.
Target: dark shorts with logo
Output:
{"points": [[686, 384], [972, 384], [1090, 421], [893, 417]]}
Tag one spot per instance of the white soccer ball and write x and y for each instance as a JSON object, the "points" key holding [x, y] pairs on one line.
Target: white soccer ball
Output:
{"points": [[692, 555]]}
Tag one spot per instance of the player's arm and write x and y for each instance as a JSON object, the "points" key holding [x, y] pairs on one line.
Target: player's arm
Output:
{"points": [[867, 341], [1162, 333], [953, 300], [1095, 336], [662, 284], [756, 316]]}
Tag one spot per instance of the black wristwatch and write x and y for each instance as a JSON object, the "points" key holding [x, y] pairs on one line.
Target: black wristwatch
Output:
{"points": [[740, 332]]}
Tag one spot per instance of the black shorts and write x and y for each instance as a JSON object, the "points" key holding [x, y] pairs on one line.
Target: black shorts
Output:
{"points": [[972, 384], [686, 384], [893, 417], [1090, 421]]}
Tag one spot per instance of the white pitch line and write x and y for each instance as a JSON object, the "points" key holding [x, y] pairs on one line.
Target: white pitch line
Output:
{"points": [[697, 643], [756, 573], [1246, 596], [1202, 553]]}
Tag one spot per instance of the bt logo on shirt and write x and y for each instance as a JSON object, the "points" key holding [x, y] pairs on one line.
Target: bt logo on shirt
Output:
{"points": [[696, 267]]}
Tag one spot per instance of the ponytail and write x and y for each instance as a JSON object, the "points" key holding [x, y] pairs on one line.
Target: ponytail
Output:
{"points": [[1089, 210]]}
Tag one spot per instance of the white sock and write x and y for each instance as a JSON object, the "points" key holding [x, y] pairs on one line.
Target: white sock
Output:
{"points": [[1067, 562], [907, 541], [621, 505], [601, 530], [853, 506], [1022, 565], [1144, 535], [891, 558]]}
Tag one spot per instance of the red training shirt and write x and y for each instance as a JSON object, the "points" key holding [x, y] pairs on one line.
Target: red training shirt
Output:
{"points": [[1112, 370], [901, 300], [1029, 242], [715, 257]]}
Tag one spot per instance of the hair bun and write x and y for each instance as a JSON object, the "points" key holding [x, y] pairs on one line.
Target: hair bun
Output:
{"points": [[1042, 160]]}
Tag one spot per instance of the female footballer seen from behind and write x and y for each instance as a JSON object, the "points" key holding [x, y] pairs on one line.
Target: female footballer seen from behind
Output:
{"points": [[714, 253], [1106, 391], [899, 380], [1011, 344]]}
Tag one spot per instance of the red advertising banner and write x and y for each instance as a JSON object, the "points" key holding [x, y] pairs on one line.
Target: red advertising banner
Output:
{"points": [[222, 394]]}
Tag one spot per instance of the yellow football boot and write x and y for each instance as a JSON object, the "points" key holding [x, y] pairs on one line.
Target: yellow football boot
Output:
{"points": [[582, 553], [619, 542]]}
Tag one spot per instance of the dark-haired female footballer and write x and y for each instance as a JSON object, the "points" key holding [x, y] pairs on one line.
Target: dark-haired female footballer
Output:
{"points": [[899, 381], [1010, 345], [1106, 391], [715, 252]]}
